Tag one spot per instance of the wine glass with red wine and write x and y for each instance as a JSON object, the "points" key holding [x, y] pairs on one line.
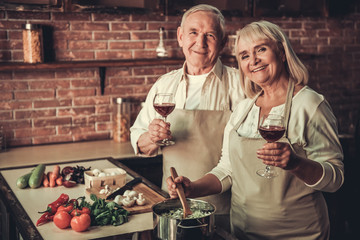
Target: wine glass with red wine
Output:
{"points": [[164, 104], [271, 128]]}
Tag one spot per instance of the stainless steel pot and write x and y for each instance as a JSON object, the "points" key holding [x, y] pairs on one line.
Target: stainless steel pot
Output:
{"points": [[167, 228]]}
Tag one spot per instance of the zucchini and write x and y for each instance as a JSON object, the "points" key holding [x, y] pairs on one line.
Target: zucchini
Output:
{"points": [[23, 181], [37, 176]]}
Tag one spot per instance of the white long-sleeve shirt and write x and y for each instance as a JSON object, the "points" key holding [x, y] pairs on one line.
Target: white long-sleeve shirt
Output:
{"points": [[212, 98], [312, 125]]}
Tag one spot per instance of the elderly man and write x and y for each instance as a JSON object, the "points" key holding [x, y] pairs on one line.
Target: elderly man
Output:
{"points": [[205, 91]]}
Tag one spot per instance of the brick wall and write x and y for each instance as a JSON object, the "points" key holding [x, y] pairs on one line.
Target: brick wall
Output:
{"points": [[52, 106]]}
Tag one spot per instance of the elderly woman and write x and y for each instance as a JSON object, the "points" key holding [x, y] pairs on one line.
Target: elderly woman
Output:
{"points": [[308, 159]]}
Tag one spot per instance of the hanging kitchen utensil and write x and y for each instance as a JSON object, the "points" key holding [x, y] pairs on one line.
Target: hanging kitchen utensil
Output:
{"points": [[180, 192]]}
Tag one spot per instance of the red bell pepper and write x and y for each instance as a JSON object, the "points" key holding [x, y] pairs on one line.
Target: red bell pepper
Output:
{"points": [[67, 208]]}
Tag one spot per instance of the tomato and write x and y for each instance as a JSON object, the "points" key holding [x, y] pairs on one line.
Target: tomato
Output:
{"points": [[62, 219], [81, 223]]}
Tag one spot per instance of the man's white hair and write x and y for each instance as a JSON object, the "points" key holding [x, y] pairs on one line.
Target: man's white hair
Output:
{"points": [[207, 8]]}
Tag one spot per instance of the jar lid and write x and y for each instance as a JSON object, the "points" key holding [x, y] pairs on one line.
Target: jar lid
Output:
{"points": [[30, 26], [119, 100]]}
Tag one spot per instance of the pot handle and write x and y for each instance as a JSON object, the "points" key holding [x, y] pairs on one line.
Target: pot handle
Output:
{"points": [[197, 226]]}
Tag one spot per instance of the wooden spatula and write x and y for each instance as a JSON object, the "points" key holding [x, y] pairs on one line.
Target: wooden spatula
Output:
{"points": [[180, 192]]}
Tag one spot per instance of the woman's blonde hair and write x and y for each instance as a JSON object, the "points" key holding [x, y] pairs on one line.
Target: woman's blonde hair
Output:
{"points": [[264, 30]]}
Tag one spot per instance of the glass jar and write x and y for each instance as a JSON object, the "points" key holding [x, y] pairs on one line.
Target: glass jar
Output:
{"points": [[33, 43], [121, 120]]}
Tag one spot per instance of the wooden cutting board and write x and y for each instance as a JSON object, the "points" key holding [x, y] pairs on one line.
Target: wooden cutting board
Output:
{"points": [[150, 195]]}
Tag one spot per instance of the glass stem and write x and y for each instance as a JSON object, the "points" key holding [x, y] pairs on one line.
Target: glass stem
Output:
{"points": [[165, 139]]}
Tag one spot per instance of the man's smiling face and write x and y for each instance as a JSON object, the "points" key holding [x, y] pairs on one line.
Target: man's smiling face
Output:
{"points": [[200, 40]]}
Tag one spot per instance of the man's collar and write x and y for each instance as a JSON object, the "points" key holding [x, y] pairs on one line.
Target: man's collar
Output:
{"points": [[217, 70]]}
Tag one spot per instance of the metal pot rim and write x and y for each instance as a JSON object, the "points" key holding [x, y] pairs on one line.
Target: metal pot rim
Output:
{"points": [[175, 203], [169, 228]]}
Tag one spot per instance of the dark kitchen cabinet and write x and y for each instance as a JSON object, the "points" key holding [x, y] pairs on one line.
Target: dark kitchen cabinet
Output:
{"points": [[240, 8]]}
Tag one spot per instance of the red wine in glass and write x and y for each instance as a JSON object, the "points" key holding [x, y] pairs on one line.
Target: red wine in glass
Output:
{"points": [[271, 128], [164, 104], [164, 109], [272, 133]]}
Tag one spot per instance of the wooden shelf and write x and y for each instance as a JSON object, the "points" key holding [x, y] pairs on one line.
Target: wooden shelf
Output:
{"points": [[15, 66], [102, 65]]}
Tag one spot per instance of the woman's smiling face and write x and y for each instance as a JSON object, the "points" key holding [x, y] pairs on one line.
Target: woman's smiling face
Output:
{"points": [[260, 61]]}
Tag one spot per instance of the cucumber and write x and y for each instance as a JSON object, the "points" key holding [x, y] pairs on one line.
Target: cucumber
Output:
{"points": [[23, 181], [37, 176]]}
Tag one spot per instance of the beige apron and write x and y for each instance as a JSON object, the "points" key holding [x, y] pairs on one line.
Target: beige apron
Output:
{"points": [[279, 208], [198, 136]]}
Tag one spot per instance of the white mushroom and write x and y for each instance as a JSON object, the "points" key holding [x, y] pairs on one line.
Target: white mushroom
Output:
{"points": [[141, 200], [133, 194], [128, 202], [126, 193], [118, 199], [105, 190], [96, 172]]}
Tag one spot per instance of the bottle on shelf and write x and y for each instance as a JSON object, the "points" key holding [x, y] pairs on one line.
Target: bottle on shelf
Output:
{"points": [[160, 50]]}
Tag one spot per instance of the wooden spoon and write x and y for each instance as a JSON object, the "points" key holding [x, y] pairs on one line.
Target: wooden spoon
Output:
{"points": [[180, 192]]}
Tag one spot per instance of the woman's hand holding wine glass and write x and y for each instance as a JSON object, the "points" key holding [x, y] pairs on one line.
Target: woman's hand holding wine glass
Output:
{"points": [[164, 104], [271, 128]]}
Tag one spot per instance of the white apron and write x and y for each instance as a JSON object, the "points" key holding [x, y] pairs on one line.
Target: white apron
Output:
{"points": [[198, 136], [279, 208]]}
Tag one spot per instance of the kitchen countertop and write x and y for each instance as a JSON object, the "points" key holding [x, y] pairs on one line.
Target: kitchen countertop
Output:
{"points": [[35, 200], [18, 157], [15, 158], [57, 153]]}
